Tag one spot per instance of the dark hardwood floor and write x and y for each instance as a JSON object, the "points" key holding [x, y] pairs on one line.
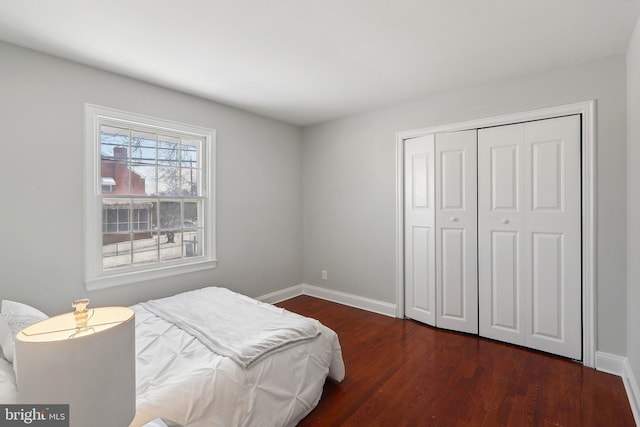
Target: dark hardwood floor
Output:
{"points": [[403, 373]]}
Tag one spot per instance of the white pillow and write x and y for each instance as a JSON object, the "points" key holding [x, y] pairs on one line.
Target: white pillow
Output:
{"points": [[15, 316], [5, 332], [19, 308]]}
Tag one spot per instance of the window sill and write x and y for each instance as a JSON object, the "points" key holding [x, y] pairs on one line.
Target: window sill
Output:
{"points": [[127, 278]]}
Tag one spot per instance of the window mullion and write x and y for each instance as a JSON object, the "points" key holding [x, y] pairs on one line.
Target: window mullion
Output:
{"points": [[130, 217]]}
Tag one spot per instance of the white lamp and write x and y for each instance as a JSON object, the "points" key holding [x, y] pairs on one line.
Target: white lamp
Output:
{"points": [[85, 359]]}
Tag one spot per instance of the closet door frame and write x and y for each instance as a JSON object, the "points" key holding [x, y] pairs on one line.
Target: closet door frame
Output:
{"points": [[587, 111]]}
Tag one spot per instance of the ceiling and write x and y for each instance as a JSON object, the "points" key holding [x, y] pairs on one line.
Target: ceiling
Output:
{"points": [[308, 61]]}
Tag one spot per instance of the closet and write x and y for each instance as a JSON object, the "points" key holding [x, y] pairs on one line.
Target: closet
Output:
{"points": [[492, 233]]}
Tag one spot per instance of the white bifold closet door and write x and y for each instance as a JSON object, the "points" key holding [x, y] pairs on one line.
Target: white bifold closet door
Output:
{"points": [[529, 240], [440, 230], [419, 229], [456, 231]]}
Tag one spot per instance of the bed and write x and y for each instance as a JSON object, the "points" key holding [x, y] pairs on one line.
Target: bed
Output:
{"points": [[251, 382]]}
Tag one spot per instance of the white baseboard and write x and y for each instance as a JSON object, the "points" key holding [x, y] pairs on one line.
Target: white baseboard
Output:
{"points": [[633, 392], [282, 295], [618, 365], [351, 300], [610, 363], [343, 298]]}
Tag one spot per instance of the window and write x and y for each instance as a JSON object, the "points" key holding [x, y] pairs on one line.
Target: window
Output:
{"points": [[149, 198]]}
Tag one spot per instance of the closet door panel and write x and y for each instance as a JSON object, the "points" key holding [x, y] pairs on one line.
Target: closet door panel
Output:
{"points": [[553, 238], [530, 235], [453, 272], [500, 233], [505, 178], [452, 175], [420, 299], [418, 276], [456, 231], [505, 283], [546, 277]]}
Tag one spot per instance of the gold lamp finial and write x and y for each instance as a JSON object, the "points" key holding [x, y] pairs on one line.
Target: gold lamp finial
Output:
{"points": [[81, 314]]}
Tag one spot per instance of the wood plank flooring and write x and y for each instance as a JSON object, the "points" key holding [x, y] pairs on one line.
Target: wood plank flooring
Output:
{"points": [[403, 373]]}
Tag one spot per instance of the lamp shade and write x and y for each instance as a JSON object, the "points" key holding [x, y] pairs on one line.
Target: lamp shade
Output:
{"points": [[90, 367]]}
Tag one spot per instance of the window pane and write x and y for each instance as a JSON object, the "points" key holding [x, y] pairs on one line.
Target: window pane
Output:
{"points": [[145, 248], [113, 140], [189, 183], [168, 181], [116, 250], [142, 215], [143, 148], [114, 160], [168, 150], [143, 180], [170, 216], [115, 215], [192, 241], [191, 214], [171, 246], [109, 220], [189, 153]]}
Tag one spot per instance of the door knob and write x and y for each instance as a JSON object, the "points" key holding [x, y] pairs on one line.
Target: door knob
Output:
{"points": [[454, 218], [505, 221]]}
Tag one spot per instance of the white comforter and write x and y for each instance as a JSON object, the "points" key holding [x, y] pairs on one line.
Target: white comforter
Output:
{"points": [[234, 325], [8, 390], [183, 382]]}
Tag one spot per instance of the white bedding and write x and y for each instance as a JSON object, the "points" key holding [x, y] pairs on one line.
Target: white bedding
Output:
{"points": [[185, 384], [8, 390], [181, 381], [237, 326]]}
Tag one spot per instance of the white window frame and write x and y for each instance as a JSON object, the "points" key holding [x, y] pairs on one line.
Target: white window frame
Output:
{"points": [[95, 276]]}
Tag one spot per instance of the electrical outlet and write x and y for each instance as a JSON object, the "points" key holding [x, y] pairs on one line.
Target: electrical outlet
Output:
{"points": [[324, 274]]}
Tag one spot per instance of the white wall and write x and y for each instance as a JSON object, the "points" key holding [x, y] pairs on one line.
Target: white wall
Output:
{"points": [[633, 203], [259, 219], [349, 182]]}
